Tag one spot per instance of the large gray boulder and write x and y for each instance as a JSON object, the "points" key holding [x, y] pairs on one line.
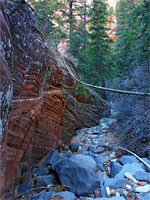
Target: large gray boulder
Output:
{"points": [[119, 180], [128, 159], [52, 158], [142, 176], [115, 168], [78, 174]]}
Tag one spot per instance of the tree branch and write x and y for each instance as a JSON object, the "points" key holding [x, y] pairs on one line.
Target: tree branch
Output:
{"points": [[103, 88]]}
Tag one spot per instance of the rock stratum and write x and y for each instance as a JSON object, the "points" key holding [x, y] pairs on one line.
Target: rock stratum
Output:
{"points": [[39, 108]]}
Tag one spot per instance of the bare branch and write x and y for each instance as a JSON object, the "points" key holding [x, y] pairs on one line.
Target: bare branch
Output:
{"points": [[103, 88]]}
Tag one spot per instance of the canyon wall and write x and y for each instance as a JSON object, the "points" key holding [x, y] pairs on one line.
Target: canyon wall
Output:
{"points": [[37, 96]]}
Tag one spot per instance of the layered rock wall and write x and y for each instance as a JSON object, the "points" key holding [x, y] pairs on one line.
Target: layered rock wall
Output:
{"points": [[5, 90], [44, 108]]}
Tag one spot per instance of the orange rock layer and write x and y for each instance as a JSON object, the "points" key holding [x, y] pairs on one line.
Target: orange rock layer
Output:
{"points": [[44, 110]]}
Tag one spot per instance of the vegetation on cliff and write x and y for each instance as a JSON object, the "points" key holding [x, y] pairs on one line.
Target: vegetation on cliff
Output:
{"points": [[83, 26], [85, 29]]}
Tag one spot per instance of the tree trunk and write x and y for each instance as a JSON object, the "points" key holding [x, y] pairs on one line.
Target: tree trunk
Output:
{"points": [[70, 19], [85, 36]]}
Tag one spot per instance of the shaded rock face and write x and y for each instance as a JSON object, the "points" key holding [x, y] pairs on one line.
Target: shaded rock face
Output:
{"points": [[44, 109], [5, 90], [132, 113], [30, 56]]}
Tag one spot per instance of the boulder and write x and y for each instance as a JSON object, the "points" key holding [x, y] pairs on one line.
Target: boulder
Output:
{"points": [[77, 173], [147, 169], [100, 161], [42, 196], [85, 161], [142, 176], [119, 180], [102, 177], [24, 188], [128, 159], [43, 180], [115, 168], [40, 170], [99, 150], [52, 158], [74, 147], [66, 195]]}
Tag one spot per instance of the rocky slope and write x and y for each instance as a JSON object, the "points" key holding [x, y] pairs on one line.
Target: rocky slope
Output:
{"points": [[132, 113], [91, 167], [43, 110]]}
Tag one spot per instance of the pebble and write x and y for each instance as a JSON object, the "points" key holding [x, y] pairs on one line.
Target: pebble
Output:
{"points": [[130, 176], [117, 194], [143, 189], [141, 183], [112, 155], [99, 150], [103, 144], [66, 195], [129, 187], [44, 180], [108, 192]]}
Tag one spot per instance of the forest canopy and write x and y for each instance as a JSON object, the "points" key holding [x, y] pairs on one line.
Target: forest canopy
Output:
{"points": [[84, 26]]}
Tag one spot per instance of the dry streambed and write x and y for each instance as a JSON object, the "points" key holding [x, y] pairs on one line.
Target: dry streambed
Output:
{"points": [[90, 167]]}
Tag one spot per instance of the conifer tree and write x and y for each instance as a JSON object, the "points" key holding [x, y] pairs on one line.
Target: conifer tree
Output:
{"points": [[133, 34], [60, 19], [99, 44], [49, 18]]}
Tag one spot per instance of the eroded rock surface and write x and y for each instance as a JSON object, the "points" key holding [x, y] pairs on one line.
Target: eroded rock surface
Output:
{"points": [[45, 110], [5, 89]]}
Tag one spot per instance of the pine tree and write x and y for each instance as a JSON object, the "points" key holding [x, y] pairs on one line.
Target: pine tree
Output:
{"points": [[133, 34], [49, 18], [78, 33], [99, 44], [60, 19]]}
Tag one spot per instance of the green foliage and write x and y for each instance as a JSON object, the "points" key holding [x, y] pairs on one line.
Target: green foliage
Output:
{"points": [[111, 11], [77, 46], [77, 31], [133, 31], [98, 48], [67, 19], [147, 90], [80, 90], [49, 18]]}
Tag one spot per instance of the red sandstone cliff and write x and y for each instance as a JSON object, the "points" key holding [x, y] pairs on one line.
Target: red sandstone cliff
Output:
{"points": [[44, 108]]}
